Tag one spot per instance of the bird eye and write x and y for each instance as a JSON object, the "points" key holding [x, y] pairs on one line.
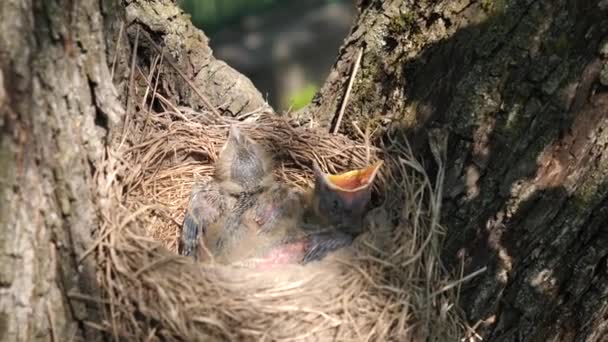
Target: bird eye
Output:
{"points": [[335, 205]]}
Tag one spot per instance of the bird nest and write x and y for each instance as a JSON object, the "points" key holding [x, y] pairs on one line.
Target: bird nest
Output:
{"points": [[390, 285]]}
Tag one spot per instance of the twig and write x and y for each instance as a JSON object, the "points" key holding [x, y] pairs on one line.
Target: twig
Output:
{"points": [[158, 61], [155, 263], [84, 297], [120, 33], [366, 140], [348, 90], [203, 97], [51, 316], [459, 281], [122, 224], [51, 322], [131, 78], [149, 79]]}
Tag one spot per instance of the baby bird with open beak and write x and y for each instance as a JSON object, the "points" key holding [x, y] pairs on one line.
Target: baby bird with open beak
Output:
{"points": [[243, 216], [288, 226], [242, 170], [341, 200], [339, 203]]}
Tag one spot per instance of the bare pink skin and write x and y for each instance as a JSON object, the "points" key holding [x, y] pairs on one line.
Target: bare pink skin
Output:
{"points": [[286, 254]]}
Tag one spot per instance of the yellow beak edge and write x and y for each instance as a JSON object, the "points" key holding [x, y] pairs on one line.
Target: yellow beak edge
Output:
{"points": [[354, 180]]}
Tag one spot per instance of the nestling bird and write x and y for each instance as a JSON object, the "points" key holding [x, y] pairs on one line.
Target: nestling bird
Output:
{"points": [[244, 216], [243, 169], [341, 200], [243, 165], [288, 226]]}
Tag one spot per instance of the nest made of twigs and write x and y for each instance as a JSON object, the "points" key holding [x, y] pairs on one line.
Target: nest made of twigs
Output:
{"points": [[389, 286]]}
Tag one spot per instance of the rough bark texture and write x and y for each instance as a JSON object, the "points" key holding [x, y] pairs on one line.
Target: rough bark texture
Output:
{"points": [[187, 48], [59, 110], [57, 103], [520, 87]]}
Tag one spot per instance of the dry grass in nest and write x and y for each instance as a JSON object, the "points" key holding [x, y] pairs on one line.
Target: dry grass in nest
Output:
{"points": [[390, 286]]}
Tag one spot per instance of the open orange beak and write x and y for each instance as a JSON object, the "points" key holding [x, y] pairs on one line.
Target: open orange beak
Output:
{"points": [[343, 194], [354, 180]]}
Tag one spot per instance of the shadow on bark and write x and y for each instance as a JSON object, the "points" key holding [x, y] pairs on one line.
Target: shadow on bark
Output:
{"points": [[525, 191]]}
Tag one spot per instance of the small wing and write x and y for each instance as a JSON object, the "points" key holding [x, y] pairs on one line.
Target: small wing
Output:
{"points": [[321, 244], [206, 206], [277, 207], [231, 234]]}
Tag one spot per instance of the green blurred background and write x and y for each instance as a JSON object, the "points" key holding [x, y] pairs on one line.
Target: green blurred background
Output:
{"points": [[285, 47]]}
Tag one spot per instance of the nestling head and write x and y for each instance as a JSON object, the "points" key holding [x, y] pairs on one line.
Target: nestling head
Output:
{"points": [[243, 162], [342, 199]]}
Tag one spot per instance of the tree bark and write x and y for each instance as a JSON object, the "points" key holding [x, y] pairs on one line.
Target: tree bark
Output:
{"points": [[185, 48], [59, 111], [520, 86], [57, 105]]}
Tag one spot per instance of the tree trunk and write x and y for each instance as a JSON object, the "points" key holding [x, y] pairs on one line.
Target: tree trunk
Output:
{"points": [[56, 105], [521, 88], [59, 110]]}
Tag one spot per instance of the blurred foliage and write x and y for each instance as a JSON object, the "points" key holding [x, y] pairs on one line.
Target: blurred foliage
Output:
{"points": [[212, 15], [299, 99]]}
